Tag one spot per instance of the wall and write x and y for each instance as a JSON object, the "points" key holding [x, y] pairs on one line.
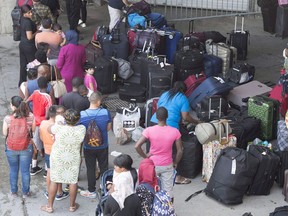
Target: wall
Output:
{"points": [[5, 18]]}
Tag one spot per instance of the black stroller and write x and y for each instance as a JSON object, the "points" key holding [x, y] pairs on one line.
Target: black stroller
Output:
{"points": [[102, 195]]}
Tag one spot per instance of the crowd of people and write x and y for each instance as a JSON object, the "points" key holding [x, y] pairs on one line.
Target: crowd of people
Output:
{"points": [[55, 127]]}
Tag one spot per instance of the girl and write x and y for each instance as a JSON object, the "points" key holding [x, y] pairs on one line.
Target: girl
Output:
{"points": [[89, 79]]}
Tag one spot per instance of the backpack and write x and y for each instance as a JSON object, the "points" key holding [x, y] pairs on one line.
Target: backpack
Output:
{"points": [[18, 134], [93, 135], [16, 15], [162, 204], [146, 195]]}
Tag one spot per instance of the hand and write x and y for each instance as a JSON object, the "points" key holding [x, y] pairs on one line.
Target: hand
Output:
{"points": [[148, 155], [174, 165]]}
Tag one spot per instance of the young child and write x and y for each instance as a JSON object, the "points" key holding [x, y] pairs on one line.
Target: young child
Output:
{"points": [[56, 27], [31, 75], [89, 80]]}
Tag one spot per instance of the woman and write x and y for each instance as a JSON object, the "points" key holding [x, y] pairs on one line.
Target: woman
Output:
{"points": [[27, 47], [18, 156], [122, 199], [65, 158], [178, 108], [71, 60]]}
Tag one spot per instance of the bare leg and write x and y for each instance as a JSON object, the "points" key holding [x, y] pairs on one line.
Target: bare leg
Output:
{"points": [[73, 194], [59, 189], [48, 181], [52, 193]]}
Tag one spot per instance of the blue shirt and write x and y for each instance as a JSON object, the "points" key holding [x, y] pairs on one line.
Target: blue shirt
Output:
{"points": [[102, 117], [179, 103]]}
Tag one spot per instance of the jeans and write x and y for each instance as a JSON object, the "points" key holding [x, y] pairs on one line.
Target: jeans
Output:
{"points": [[22, 160]]}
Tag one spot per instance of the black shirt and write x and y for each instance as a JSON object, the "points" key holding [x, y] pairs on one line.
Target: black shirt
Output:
{"points": [[117, 4], [27, 24], [73, 100]]}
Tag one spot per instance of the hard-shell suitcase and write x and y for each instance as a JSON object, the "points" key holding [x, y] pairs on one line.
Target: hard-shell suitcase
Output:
{"points": [[279, 94], [187, 63], [239, 95], [265, 175], [106, 75], [210, 86], [267, 110], [193, 81], [233, 173], [117, 50], [283, 165], [132, 92], [190, 164], [281, 27], [171, 42], [239, 39], [241, 73], [212, 65], [282, 137]]}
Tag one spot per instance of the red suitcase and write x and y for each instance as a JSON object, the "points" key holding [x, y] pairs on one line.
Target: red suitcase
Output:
{"points": [[193, 81]]}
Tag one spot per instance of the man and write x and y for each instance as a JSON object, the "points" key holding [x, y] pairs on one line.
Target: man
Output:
{"points": [[40, 12], [52, 38], [99, 153], [73, 13], [73, 100], [162, 137]]}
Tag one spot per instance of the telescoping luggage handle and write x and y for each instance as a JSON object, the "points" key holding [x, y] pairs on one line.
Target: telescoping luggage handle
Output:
{"points": [[242, 23]]}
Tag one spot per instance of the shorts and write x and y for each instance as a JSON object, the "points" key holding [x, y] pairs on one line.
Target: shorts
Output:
{"points": [[47, 161], [166, 176], [36, 138]]}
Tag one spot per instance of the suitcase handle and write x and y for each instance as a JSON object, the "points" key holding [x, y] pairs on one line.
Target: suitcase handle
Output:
{"points": [[242, 23], [191, 26]]}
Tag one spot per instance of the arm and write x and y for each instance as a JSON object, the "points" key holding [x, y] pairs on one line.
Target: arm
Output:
{"points": [[5, 128], [91, 86], [186, 116], [179, 153], [109, 126], [51, 93], [126, 2], [138, 147]]}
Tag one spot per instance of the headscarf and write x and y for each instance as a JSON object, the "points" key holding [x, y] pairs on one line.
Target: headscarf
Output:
{"points": [[72, 37], [147, 172]]}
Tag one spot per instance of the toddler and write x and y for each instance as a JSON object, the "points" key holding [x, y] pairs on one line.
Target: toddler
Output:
{"points": [[89, 79], [56, 27]]}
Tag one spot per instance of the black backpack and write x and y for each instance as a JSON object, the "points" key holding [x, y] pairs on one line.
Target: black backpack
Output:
{"points": [[16, 15]]}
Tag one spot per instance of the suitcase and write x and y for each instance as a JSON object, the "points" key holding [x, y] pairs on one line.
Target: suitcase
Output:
{"points": [[239, 40], [269, 18], [241, 73], [117, 50], [280, 211], [277, 93], [157, 20], [239, 95], [190, 164], [189, 42], [132, 93], [233, 173], [212, 65], [193, 81], [265, 175], [282, 137], [283, 165], [267, 110], [171, 43], [187, 63], [281, 27], [209, 87], [106, 75], [93, 50]]}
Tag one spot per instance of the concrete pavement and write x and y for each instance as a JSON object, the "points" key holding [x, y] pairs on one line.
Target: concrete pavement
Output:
{"points": [[265, 52]]}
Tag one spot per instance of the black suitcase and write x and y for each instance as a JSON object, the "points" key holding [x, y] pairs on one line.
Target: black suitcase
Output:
{"points": [[269, 18], [212, 65], [280, 211], [233, 173], [282, 167], [265, 176], [239, 39], [187, 63], [117, 50], [281, 27], [190, 164], [132, 93], [106, 74]]}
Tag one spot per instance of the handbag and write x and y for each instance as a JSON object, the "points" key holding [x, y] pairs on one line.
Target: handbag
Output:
{"points": [[58, 85]]}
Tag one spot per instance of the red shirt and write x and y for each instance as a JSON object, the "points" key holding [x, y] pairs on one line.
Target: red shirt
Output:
{"points": [[41, 103], [22, 2]]}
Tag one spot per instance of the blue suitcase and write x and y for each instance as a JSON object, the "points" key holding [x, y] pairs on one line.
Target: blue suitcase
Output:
{"points": [[212, 65], [209, 87], [171, 42]]}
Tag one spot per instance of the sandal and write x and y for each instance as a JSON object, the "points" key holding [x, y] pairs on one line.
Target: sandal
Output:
{"points": [[74, 208], [183, 181], [47, 209]]}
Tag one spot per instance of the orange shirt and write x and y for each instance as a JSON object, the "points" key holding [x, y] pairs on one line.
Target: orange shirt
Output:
{"points": [[46, 137], [52, 38]]}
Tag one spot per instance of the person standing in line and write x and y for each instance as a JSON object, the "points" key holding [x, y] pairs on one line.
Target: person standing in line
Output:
{"points": [[73, 13], [96, 153], [19, 154], [82, 20], [40, 12], [27, 47], [162, 138], [115, 11]]}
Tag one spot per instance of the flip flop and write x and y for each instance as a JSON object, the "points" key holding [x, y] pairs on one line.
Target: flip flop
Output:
{"points": [[74, 208], [184, 181], [47, 209]]}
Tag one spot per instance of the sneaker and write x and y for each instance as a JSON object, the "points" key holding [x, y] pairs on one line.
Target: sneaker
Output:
{"points": [[29, 194], [45, 174], [35, 170], [14, 195], [46, 194], [62, 196], [83, 25], [88, 194], [79, 189], [80, 22], [66, 189]]}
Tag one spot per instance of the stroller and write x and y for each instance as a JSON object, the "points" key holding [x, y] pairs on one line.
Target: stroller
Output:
{"points": [[102, 195]]}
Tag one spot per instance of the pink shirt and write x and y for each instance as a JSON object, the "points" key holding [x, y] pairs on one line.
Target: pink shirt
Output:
{"points": [[161, 139], [90, 79]]}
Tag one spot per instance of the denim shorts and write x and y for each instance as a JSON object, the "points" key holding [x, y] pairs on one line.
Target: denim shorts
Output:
{"points": [[47, 161]]}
